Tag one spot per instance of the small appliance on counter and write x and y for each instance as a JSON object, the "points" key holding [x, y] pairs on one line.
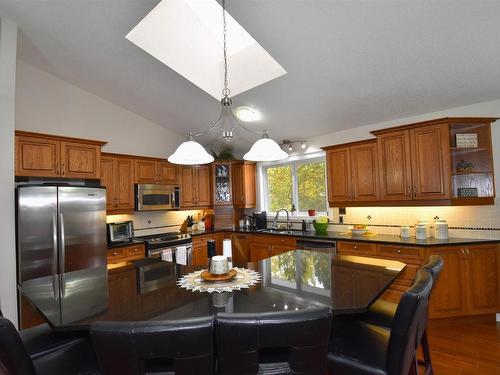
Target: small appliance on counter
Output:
{"points": [[120, 232], [260, 220]]}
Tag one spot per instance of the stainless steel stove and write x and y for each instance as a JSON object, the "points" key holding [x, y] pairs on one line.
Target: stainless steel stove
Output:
{"points": [[154, 273], [165, 240]]}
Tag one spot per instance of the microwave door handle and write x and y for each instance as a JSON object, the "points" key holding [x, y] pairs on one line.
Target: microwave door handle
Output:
{"points": [[173, 202]]}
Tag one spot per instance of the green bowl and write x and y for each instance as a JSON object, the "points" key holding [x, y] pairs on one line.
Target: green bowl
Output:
{"points": [[320, 227]]}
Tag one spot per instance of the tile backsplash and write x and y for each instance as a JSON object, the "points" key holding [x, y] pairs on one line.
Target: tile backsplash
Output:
{"points": [[153, 222], [463, 221]]}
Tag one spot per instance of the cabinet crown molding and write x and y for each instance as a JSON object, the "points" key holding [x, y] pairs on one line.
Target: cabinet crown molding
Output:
{"points": [[23, 133]]}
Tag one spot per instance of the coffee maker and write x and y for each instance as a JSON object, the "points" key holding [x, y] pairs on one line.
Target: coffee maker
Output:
{"points": [[259, 220]]}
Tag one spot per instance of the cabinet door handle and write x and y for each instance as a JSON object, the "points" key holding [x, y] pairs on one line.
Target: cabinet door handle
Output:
{"points": [[409, 192], [353, 194], [398, 251], [63, 169], [58, 168], [355, 247], [463, 252], [115, 253], [414, 192], [468, 252]]}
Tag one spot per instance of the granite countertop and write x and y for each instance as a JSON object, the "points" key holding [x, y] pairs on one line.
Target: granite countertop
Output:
{"points": [[125, 244], [344, 236]]}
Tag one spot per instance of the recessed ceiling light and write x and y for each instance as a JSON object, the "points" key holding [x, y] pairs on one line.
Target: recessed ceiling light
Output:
{"points": [[247, 114]]}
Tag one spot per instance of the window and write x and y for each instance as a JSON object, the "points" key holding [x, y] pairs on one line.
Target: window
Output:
{"points": [[299, 183]]}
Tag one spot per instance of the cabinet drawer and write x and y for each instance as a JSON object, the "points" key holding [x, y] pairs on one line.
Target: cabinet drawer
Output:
{"points": [[274, 240], [135, 252], [405, 252], [357, 247], [116, 255]]}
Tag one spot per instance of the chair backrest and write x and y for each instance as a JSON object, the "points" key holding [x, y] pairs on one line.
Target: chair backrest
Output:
{"points": [[434, 265], [408, 323], [13, 355], [299, 338], [180, 346]]}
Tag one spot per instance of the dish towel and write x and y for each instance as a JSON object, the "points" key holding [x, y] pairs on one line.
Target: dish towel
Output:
{"points": [[227, 251], [181, 255], [166, 255]]}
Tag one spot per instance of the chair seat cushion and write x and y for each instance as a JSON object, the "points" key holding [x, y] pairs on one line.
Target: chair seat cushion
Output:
{"points": [[358, 348], [381, 313]]}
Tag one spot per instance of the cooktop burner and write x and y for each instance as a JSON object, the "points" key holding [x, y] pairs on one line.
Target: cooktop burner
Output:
{"points": [[165, 239]]}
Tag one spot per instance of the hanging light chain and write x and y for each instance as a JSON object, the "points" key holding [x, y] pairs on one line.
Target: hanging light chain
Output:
{"points": [[226, 90]]}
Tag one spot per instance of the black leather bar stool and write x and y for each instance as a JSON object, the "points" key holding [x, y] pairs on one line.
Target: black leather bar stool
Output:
{"points": [[289, 342], [360, 348], [181, 347], [382, 312], [41, 351]]}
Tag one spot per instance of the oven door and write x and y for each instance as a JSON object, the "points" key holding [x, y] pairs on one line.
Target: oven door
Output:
{"points": [[154, 274], [149, 197]]}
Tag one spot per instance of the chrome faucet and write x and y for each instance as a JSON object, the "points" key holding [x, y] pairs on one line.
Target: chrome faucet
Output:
{"points": [[288, 224]]}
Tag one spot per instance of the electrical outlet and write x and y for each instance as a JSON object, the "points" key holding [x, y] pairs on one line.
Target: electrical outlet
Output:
{"points": [[342, 211]]}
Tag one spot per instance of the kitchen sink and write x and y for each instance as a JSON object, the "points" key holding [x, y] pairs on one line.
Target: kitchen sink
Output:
{"points": [[281, 231]]}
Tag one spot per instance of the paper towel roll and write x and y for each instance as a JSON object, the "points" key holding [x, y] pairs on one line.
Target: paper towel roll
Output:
{"points": [[227, 251]]}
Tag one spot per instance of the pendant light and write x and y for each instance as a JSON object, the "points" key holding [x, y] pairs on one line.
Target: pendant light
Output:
{"points": [[191, 152], [265, 149]]}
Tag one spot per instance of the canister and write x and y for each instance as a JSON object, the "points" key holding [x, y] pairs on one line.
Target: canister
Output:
{"points": [[420, 232], [441, 229]]}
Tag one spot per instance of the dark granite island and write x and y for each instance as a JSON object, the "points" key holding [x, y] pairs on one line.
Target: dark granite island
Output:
{"points": [[294, 280]]}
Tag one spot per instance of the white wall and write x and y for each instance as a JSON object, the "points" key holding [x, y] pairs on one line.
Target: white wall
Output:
{"points": [[47, 104], [474, 221], [8, 45]]}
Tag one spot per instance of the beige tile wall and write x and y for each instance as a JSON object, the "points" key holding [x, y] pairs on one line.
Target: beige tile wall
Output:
{"points": [[473, 221]]}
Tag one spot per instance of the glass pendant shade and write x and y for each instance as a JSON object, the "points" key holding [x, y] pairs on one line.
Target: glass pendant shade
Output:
{"points": [[190, 153], [265, 149]]}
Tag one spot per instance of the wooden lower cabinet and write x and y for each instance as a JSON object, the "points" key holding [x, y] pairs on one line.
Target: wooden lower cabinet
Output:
{"points": [[469, 282], [265, 246], [122, 292], [199, 256], [125, 253], [241, 247]]}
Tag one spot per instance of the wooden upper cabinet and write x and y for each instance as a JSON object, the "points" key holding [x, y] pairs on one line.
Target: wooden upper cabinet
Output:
{"points": [[338, 167], [203, 196], [352, 173], [80, 160], [145, 172], [243, 182], [37, 156], [195, 186], [149, 171], [364, 171], [167, 173], [43, 155], [395, 165], [430, 159], [188, 191], [117, 175]]}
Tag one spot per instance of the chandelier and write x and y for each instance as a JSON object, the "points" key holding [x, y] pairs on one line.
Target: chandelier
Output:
{"points": [[191, 152]]}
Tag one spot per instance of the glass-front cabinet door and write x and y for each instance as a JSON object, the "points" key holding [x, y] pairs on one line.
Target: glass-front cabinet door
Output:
{"points": [[222, 184], [471, 162]]}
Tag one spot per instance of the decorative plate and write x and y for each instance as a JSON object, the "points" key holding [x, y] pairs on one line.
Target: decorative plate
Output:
{"points": [[207, 276], [244, 279]]}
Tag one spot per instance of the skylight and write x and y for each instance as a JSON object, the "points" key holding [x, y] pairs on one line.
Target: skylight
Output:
{"points": [[186, 35]]}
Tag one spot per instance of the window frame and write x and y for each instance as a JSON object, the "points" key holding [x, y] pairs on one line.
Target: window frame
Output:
{"points": [[294, 162]]}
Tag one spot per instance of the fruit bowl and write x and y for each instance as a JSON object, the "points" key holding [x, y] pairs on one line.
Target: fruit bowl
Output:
{"points": [[320, 227], [359, 232]]}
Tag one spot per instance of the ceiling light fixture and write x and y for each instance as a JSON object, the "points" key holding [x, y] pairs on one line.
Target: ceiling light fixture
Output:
{"points": [[295, 145], [247, 114], [265, 149]]}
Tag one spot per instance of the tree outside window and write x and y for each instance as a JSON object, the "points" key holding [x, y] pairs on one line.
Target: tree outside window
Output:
{"points": [[301, 184]]}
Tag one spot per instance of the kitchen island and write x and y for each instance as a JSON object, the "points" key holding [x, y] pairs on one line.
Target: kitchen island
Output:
{"points": [[294, 280]]}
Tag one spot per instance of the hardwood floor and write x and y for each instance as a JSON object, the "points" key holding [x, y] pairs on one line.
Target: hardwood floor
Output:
{"points": [[467, 347]]}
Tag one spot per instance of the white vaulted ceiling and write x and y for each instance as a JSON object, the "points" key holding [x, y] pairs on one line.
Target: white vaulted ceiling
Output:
{"points": [[349, 63]]}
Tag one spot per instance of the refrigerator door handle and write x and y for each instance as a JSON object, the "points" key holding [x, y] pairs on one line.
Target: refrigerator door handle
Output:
{"points": [[62, 259], [54, 254]]}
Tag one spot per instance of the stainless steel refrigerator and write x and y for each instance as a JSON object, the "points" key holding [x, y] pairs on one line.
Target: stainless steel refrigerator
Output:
{"points": [[61, 245]]}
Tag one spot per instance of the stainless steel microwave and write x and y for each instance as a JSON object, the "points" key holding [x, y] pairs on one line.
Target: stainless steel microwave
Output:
{"points": [[149, 197]]}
